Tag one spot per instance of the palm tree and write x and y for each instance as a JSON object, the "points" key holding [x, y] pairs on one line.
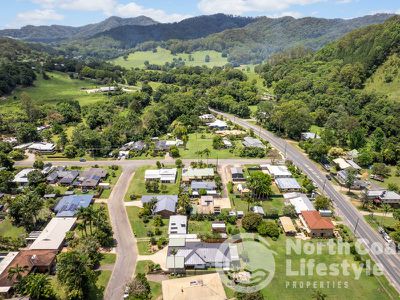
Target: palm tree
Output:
{"points": [[386, 208], [173, 253], [38, 286], [318, 295], [207, 152], [16, 272]]}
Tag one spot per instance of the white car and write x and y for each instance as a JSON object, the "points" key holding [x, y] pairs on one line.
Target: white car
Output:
{"points": [[126, 293]]}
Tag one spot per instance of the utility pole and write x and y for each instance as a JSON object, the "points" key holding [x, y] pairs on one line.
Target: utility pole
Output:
{"points": [[355, 228]]}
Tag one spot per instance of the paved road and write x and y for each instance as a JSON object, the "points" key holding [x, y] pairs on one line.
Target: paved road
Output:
{"points": [[389, 263], [126, 244]]}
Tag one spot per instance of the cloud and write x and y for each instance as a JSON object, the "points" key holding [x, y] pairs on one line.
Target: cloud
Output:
{"points": [[133, 10], [293, 14], [112, 8], [239, 7], [36, 17]]}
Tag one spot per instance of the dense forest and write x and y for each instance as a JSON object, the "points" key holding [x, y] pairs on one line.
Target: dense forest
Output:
{"points": [[327, 89]]}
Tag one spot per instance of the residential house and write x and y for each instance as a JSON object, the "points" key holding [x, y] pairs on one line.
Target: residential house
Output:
{"points": [[68, 206], [288, 185], [250, 142], [42, 148], [357, 184], [198, 287], [207, 118], [384, 197], [207, 206], [34, 261], [189, 174], [276, 171], [237, 174], [177, 224], [161, 146], [21, 178], [299, 201], [209, 187], [163, 175], [218, 124], [165, 204], [200, 255], [287, 226], [242, 189], [219, 227], [227, 143], [90, 179], [344, 164], [53, 235], [134, 146], [258, 210], [305, 136], [316, 225]]}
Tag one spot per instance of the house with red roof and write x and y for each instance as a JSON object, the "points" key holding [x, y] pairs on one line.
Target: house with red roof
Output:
{"points": [[316, 225]]}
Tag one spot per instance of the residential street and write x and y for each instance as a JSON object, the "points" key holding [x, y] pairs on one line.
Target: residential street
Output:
{"points": [[126, 244], [389, 263]]}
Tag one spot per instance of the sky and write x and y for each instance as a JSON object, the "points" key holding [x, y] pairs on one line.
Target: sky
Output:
{"points": [[18, 13]]}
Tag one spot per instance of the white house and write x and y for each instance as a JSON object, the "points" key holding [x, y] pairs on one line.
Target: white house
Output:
{"points": [[21, 178], [164, 175], [177, 224], [43, 148], [276, 171], [218, 124]]}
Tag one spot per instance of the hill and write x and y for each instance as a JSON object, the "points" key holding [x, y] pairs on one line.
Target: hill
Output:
{"points": [[191, 28], [55, 33], [334, 89], [258, 40]]}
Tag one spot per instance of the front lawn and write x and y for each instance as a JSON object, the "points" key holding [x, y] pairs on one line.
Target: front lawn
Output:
{"points": [[138, 185], [273, 203], [140, 228], [381, 221]]}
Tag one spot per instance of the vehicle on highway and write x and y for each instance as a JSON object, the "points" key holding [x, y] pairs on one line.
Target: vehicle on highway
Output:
{"points": [[329, 177], [82, 159]]}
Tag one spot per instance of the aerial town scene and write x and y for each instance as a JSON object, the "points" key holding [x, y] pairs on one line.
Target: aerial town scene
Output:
{"points": [[214, 150]]}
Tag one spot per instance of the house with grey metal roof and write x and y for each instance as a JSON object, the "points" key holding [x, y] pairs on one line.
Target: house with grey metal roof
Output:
{"points": [[250, 142], [189, 174], [384, 197], [300, 202], [287, 184], [200, 255], [208, 186], [309, 136], [165, 204], [237, 174], [258, 210]]}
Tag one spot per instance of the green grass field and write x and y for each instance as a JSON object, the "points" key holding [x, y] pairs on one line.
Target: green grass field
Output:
{"points": [[59, 87], [137, 59], [383, 221], [138, 187], [140, 228], [9, 230], [200, 141], [376, 83]]}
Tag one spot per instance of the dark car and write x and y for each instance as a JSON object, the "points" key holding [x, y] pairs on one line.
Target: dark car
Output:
{"points": [[329, 177]]}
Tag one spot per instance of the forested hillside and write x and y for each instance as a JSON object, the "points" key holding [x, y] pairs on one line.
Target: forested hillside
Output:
{"points": [[258, 40], [55, 33], [327, 89]]}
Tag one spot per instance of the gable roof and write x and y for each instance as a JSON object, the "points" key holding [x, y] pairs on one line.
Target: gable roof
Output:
{"points": [[253, 142], [315, 221], [164, 202], [69, 205], [207, 185], [53, 235], [287, 183]]}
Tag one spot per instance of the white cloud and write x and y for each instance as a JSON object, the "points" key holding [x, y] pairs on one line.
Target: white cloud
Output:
{"points": [[294, 14], [112, 8], [36, 17], [239, 7], [133, 10]]}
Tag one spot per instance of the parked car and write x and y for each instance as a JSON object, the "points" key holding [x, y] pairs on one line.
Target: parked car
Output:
{"points": [[126, 293], [82, 159], [329, 177]]}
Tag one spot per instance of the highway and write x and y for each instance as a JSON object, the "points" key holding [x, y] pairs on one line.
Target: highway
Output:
{"points": [[389, 263]]}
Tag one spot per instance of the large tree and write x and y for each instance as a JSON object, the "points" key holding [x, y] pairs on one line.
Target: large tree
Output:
{"points": [[260, 185]]}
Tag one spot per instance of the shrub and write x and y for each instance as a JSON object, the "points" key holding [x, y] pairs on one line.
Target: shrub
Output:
{"points": [[251, 221]]}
